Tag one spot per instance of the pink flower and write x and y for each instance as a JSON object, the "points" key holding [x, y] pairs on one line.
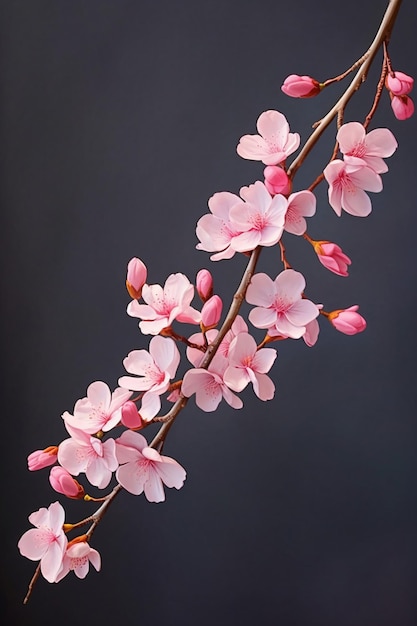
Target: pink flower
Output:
{"points": [[136, 277], [204, 284], [248, 364], [348, 321], [216, 231], [280, 306], [77, 558], [347, 183], [276, 180], [211, 312], [359, 147], [143, 469], [399, 84], [274, 142], [42, 458], [403, 107], [300, 86], [332, 257], [64, 483], [209, 386], [312, 333], [85, 454], [100, 410], [164, 305], [47, 542], [300, 205], [238, 326]]}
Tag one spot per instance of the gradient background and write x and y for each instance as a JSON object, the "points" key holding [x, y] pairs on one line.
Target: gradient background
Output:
{"points": [[119, 121]]}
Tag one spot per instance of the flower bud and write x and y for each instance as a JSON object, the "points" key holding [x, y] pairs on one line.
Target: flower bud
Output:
{"points": [[211, 312], [300, 86], [276, 180], [399, 84], [347, 321], [402, 106], [42, 458], [130, 416], [204, 284], [136, 277], [63, 482], [332, 257]]}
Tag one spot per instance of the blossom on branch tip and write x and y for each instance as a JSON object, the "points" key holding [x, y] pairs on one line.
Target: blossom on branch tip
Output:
{"points": [[136, 277], [274, 142], [204, 284], [77, 558], [360, 147], [398, 83], [403, 107], [332, 257], [42, 458], [62, 481], [347, 186], [347, 321], [248, 364], [300, 86]]}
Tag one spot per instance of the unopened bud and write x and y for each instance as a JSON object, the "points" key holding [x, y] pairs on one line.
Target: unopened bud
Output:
{"points": [[64, 483], [347, 321], [136, 277], [42, 458], [204, 284], [130, 416], [276, 180], [332, 257], [300, 86], [211, 313], [399, 84], [402, 106]]}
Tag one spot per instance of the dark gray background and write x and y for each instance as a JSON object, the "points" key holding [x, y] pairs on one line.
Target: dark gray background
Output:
{"points": [[119, 120]]}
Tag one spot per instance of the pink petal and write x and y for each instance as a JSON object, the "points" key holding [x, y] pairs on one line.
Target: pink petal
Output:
{"points": [[171, 472], [265, 388], [349, 136], [290, 285], [261, 290], [263, 318], [357, 203], [154, 490]]}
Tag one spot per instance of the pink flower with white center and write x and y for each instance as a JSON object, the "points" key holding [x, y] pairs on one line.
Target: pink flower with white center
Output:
{"points": [[209, 386], [47, 542], [85, 454], [62, 481], [348, 321], [143, 469], [164, 305], [300, 86], [248, 364], [136, 277], [403, 107], [215, 231], [399, 84], [347, 185], [77, 558], [280, 306], [332, 257], [300, 205], [362, 148], [100, 410], [42, 458], [260, 218], [274, 142]]}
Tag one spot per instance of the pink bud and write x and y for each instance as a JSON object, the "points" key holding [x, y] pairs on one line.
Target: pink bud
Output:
{"points": [[276, 180], [348, 321], [402, 106], [300, 86], [42, 458], [63, 482], [130, 416], [399, 83], [136, 277], [204, 284], [332, 257], [211, 312]]}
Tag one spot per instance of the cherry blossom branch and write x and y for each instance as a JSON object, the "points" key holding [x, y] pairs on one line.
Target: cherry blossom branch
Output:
{"points": [[381, 36]]}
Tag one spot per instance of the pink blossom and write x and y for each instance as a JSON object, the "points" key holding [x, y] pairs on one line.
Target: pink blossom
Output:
{"points": [[347, 185], [204, 284], [300, 205], [42, 458], [100, 410], [276, 180], [399, 84], [215, 231], [164, 305], [209, 386], [47, 542], [280, 306], [359, 147], [85, 454], [239, 326], [194, 355], [143, 469], [300, 86], [274, 142], [77, 558], [136, 277], [211, 312], [347, 321], [130, 416], [403, 107], [248, 364], [332, 257], [312, 333], [64, 483]]}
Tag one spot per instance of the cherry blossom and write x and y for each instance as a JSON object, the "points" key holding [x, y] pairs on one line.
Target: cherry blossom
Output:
{"points": [[209, 386], [248, 364], [131, 417], [42, 458], [274, 142], [216, 231], [211, 312], [164, 305], [300, 86], [403, 107], [300, 205], [347, 185], [347, 321], [360, 147], [77, 558], [204, 284], [280, 306], [62, 481], [276, 180], [85, 454], [47, 542], [154, 368], [143, 469], [398, 83], [100, 410], [332, 257], [136, 277]]}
